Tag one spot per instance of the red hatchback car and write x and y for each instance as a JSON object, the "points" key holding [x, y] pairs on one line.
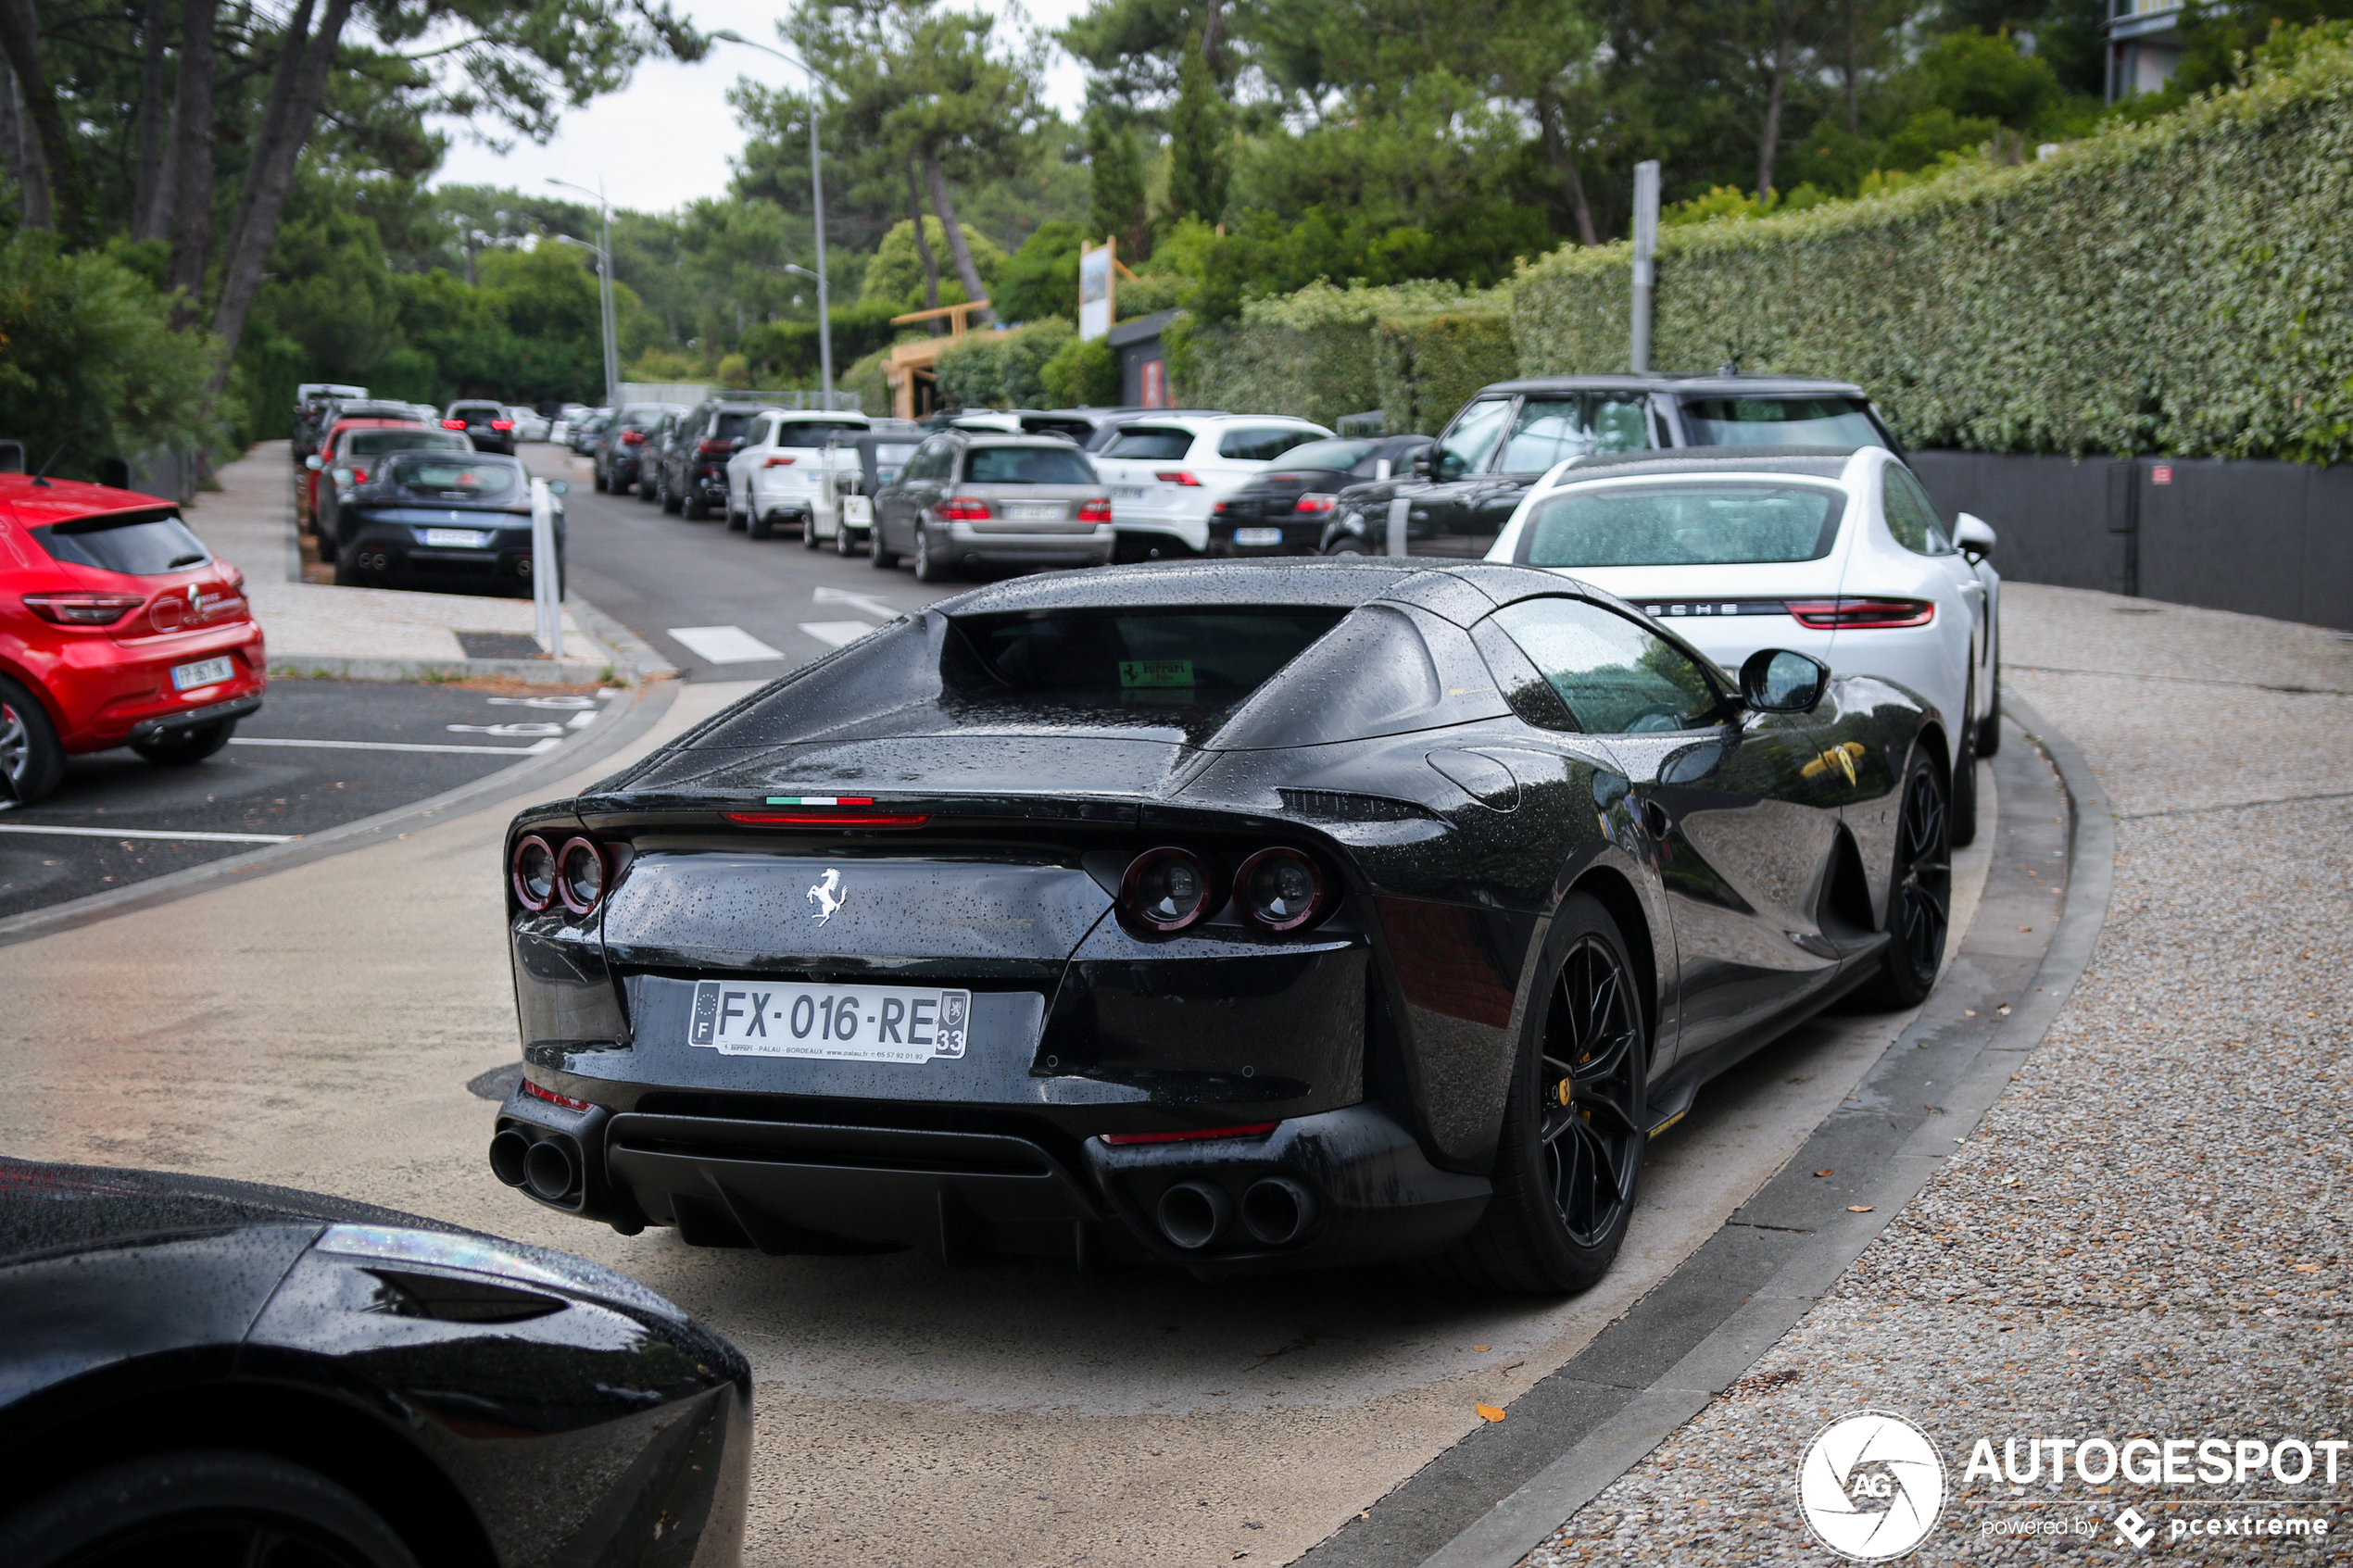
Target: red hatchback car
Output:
{"points": [[116, 628]]}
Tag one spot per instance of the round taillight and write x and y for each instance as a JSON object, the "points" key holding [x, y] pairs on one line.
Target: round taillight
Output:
{"points": [[1165, 890], [1280, 890], [580, 875], [534, 873]]}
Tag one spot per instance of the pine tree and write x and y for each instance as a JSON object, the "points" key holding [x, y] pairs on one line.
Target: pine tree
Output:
{"points": [[1117, 204], [1198, 170]]}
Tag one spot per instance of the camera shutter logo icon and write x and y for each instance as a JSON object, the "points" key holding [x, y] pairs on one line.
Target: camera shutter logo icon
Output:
{"points": [[1871, 1486]]}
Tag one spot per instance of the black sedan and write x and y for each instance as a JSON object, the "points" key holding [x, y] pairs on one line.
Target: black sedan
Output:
{"points": [[487, 425], [1226, 914], [199, 1371], [439, 520], [1282, 512]]}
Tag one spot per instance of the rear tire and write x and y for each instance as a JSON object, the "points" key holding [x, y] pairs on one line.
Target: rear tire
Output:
{"points": [[876, 556], [929, 566], [761, 527], [1989, 729], [201, 1506], [809, 531], [1348, 544], [30, 756], [1575, 1121], [597, 482], [1963, 817], [844, 546], [693, 509], [671, 501], [1919, 898], [188, 746]]}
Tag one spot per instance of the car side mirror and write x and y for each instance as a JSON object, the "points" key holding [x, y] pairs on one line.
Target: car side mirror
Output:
{"points": [[1425, 463], [1973, 535], [343, 477], [1783, 681], [312, 462], [559, 487]]}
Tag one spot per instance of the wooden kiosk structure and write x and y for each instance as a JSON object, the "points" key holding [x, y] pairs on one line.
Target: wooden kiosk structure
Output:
{"points": [[914, 384]]}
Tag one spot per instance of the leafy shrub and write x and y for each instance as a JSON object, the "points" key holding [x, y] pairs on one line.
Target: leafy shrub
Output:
{"points": [[2178, 287], [1041, 278], [1081, 375], [867, 379], [1002, 369]]}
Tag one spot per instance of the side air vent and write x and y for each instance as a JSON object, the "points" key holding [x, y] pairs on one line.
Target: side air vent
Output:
{"points": [[1339, 806]]}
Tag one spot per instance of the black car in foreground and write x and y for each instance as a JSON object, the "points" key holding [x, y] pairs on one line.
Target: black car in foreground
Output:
{"points": [[1226, 913], [440, 520], [1284, 510], [197, 1371]]}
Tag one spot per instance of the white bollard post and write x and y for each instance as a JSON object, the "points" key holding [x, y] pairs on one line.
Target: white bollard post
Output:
{"points": [[1397, 510], [546, 594]]}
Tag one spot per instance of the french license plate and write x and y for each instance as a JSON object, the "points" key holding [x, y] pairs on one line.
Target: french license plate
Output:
{"points": [[904, 1024], [203, 672], [1128, 492], [457, 539], [1036, 511], [1258, 535]]}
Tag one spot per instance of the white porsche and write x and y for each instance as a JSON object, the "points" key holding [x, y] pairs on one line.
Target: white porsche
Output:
{"points": [[1834, 552]]}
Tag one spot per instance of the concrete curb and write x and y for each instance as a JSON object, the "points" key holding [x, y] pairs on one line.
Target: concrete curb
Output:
{"points": [[531, 672], [1522, 1521], [646, 705]]}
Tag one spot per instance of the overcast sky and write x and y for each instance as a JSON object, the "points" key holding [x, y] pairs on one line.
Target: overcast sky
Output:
{"points": [[665, 139]]}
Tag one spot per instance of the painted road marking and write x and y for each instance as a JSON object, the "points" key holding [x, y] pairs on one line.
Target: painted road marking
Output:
{"points": [[531, 751], [856, 600], [834, 633], [145, 832], [722, 645]]}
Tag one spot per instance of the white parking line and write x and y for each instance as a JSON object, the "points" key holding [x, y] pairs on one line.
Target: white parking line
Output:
{"points": [[531, 751], [144, 833], [724, 645], [834, 633], [855, 600]]}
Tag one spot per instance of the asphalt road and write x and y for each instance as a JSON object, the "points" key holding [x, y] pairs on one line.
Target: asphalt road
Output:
{"points": [[719, 604], [319, 754]]}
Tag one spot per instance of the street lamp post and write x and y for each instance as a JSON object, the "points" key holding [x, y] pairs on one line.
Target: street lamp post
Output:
{"points": [[606, 318], [817, 207]]}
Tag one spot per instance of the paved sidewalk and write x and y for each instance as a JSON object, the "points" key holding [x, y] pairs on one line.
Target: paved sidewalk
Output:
{"points": [[2142, 1239], [374, 633]]}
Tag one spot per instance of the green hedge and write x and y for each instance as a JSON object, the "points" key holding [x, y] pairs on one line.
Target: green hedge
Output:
{"points": [[1412, 350], [2178, 287], [1002, 369]]}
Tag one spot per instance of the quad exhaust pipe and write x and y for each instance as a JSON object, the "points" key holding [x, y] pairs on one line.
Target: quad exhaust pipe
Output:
{"points": [[1276, 1211], [1193, 1214], [547, 1168]]}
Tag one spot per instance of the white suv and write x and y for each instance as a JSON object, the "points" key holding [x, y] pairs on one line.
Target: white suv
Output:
{"points": [[1166, 474], [775, 475]]}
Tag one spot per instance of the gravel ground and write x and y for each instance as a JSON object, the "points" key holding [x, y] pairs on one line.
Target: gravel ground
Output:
{"points": [[2144, 1238]]}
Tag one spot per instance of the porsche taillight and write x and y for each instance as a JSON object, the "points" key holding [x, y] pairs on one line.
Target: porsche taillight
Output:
{"points": [[1853, 613]]}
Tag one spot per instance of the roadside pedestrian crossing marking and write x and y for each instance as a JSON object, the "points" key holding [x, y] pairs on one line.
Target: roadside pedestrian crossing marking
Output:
{"points": [[722, 645]]}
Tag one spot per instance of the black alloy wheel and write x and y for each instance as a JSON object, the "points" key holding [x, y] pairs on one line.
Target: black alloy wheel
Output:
{"points": [[30, 757], [877, 556], [1575, 1125], [202, 1509], [1919, 902]]}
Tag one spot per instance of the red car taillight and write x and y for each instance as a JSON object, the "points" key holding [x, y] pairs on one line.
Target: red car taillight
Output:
{"points": [[963, 509], [1846, 613], [453, 424], [1166, 890], [777, 463], [502, 425], [633, 438], [1176, 476], [534, 873], [580, 875], [712, 447], [1314, 501], [82, 610], [1096, 510], [1280, 890], [835, 819], [358, 476], [535, 1092]]}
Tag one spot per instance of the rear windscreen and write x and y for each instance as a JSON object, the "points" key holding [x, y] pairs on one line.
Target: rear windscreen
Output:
{"points": [[1026, 465], [1779, 421], [143, 544], [374, 442], [455, 481], [1152, 446], [811, 432], [1681, 525], [1151, 658], [1338, 455]]}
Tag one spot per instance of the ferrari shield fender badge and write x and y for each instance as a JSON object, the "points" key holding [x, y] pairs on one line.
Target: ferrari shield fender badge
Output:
{"points": [[828, 894]]}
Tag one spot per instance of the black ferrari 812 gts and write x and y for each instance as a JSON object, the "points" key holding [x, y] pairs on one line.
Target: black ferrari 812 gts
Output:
{"points": [[1228, 915]]}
